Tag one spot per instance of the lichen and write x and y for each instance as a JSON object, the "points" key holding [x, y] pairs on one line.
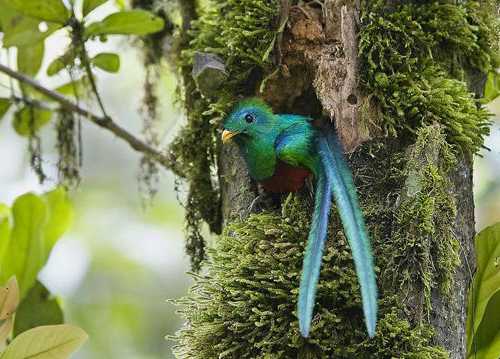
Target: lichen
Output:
{"points": [[241, 33], [414, 60], [245, 306], [424, 249]]}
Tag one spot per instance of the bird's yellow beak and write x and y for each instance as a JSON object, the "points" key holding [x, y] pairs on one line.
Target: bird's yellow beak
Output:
{"points": [[227, 135]]}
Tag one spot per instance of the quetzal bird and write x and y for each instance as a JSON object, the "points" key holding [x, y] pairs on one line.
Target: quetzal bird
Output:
{"points": [[281, 151]]}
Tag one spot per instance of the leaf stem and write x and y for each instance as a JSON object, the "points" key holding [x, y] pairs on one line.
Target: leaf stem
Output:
{"points": [[86, 64]]}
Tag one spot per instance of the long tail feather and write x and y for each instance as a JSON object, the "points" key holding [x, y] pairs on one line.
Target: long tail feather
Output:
{"points": [[314, 253], [340, 177]]}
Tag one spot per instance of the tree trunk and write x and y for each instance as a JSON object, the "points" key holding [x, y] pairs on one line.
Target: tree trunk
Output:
{"points": [[412, 169]]}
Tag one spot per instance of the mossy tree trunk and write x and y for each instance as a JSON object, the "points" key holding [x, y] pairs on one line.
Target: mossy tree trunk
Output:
{"points": [[392, 78]]}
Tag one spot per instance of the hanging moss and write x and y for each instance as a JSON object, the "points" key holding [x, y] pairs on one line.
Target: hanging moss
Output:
{"points": [[69, 149], [241, 33], [245, 306], [414, 59]]}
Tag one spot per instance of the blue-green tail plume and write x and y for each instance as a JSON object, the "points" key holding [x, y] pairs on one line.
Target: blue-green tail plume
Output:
{"points": [[314, 253], [344, 192], [336, 175]]}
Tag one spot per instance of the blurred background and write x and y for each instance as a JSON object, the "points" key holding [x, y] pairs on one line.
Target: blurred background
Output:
{"points": [[120, 265]]}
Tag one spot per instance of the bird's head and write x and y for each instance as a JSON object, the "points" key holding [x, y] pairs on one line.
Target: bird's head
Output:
{"points": [[248, 120]]}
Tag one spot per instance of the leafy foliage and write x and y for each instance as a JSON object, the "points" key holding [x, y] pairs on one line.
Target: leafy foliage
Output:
{"points": [[29, 58], [27, 234], [4, 106], [37, 223], [90, 5], [46, 342], [20, 23], [483, 327], [107, 61], [61, 62], [36, 309], [29, 120], [492, 87], [20, 30], [9, 300], [133, 22], [49, 10]]}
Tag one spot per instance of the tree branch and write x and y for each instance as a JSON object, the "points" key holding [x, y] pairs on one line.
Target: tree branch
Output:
{"points": [[102, 121]]}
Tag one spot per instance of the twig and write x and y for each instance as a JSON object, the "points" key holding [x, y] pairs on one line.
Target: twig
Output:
{"points": [[90, 75], [103, 122], [31, 102]]}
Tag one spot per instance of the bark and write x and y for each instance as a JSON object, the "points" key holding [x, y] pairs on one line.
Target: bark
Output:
{"points": [[448, 317]]}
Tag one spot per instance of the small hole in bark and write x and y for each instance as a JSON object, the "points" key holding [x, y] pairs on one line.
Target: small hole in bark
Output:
{"points": [[352, 99]]}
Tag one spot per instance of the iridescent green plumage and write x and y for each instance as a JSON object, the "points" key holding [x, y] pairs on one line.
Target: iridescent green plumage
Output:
{"points": [[280, 151]]}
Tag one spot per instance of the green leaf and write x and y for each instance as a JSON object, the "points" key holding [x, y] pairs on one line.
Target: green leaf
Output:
{"points": [[29, 58], [487, 337], [46, 342], [492, 87], [79, 86], [107, 61], [20, 30], [25, 252], [5, 330], [9, 300], [37, 308], [4, 211], [56, 66], [89, 5], [4, 230], [29, 120], [121, 4], [4, 106], [38, 222], [483, 326], [132, 22], [61, 62], [60, 217], [48, 10]]}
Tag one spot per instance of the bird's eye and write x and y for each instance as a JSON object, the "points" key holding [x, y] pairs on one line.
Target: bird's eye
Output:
{"points": [[249, 118]]}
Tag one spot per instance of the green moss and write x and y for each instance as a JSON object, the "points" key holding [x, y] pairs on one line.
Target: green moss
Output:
{"points": [[424, 249], [245, 306], [414, 61], [241, 33]]}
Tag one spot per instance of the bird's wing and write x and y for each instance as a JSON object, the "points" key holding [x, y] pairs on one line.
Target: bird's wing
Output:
{"points": [[340, 178], [295, 145]]}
